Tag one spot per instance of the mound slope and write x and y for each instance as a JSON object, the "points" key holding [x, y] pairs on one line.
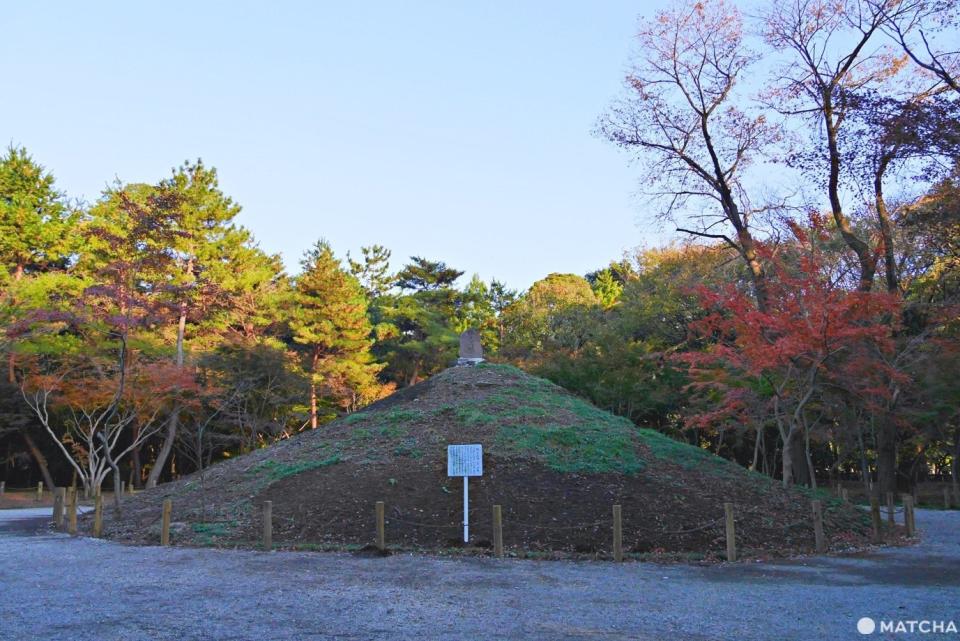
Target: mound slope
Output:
{"points": [[553, 461]]}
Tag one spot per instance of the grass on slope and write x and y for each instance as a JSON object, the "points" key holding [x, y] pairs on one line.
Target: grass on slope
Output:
{"points": [[520, 414]]}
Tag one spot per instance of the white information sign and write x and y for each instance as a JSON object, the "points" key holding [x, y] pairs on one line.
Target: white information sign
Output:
{"points": [[464, 460]]}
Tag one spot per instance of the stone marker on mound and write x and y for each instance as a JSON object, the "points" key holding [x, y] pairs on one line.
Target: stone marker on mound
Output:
{"points": [[471, 351]]}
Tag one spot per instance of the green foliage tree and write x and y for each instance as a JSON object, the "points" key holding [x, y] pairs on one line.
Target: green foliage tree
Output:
{"points": [[424, 275], [35, 219], [329, 322], [474, 309], [553, 315], [374, 271], [36, 242]]}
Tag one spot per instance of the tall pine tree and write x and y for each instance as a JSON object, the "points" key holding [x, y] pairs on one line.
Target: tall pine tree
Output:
{"points": [[330, 324]]}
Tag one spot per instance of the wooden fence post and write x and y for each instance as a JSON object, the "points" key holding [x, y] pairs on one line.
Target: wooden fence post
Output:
{"points": [[890, 509], [98, 516], [875, 517], [39, 491], [731, 532], [497, 532], [3, 488], [165, 522], [123, 487], [381, 530], [820, 540], [845, 494], [268, 525], [946, 498], [617, 534], [72, 513], [58, 494]]}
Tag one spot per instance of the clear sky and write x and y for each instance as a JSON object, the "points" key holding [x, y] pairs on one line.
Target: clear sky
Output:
{"points": [[459, 131]]}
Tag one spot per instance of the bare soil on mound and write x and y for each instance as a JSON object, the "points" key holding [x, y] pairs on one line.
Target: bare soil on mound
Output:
{"points": [[555, 464], [543, 511]]}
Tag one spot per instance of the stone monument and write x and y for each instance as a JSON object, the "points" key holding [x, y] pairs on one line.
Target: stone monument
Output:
{"points": [[471, 352]]}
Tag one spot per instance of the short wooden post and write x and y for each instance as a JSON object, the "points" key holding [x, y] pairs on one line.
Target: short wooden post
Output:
{"points": [[165, 522], [381, 530], [497, 532], [820, 540], [875, 517], [72, 514], [58, 494], [845, 495], [731, 532], [890, 510], [39, 491], [268, 525], [908, 515], [98, 516], [123, 487], [3, 488], [946, 498], [617, 534]]}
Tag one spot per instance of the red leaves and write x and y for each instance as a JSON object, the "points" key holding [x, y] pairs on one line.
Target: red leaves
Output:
{"points": [[815, 334]]}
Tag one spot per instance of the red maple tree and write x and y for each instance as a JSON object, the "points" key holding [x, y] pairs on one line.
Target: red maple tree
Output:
{"points": [[815, 336]]}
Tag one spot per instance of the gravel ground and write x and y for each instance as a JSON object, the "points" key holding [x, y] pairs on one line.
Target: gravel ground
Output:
{"points": [[55, 587]]}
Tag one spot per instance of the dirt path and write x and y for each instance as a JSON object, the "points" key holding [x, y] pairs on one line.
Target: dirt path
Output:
{"points": [[55, 587]]}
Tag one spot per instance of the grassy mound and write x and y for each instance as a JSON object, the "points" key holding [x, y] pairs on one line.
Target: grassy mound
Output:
{"points": [[553, 461]]}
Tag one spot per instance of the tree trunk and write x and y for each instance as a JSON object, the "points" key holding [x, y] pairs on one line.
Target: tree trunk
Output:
{"points": [[174, 421], [756, 449], [40, 459], [864, 467], [886, 458], [789, 457], [757, 273], [415, 375], [313, 389], [136, 473], [165, 448], [868, 265], [801, 473], [886, 230], [809, 459], [955, 465]]}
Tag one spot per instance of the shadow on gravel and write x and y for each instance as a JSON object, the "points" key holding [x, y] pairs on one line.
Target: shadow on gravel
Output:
{"points": [[919, 570], [29, 526]]}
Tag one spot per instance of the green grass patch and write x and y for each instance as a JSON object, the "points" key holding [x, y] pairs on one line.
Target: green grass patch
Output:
{"points": [[393, 431], [213, 529], [276, 471], [408, 449], [398, 416], [473, 414], [684, 455], [591, 449]]}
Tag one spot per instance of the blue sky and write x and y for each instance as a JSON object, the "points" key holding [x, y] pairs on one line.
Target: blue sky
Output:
{"points": [[453, 130]]}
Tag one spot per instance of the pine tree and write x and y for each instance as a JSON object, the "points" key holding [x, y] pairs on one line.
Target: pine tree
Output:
{"points": [[35, 220], [374, 272], [424, 275], [330, 323]]}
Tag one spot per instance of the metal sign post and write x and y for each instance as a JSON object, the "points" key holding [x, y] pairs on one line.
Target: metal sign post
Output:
{"points": [[465, 461], [466, 510]]}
